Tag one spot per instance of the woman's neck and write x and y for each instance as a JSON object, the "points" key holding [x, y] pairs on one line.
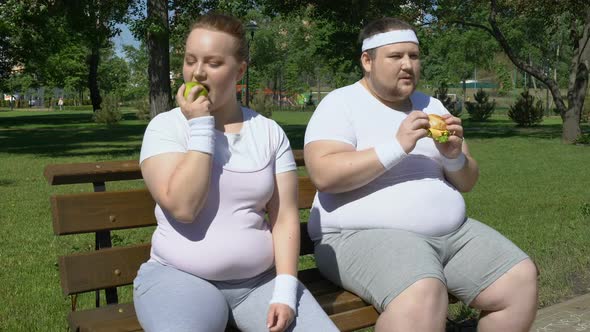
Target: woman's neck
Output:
{"points": [[229, 118]]}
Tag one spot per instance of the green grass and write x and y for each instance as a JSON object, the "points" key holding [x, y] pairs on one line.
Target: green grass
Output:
{"points": [[532, 188]]}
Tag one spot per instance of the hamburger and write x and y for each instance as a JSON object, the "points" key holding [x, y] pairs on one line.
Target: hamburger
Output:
{"points": [[189, 85], [437, 128]]}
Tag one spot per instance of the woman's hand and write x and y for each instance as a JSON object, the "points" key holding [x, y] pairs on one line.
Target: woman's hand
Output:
{"points": [[280, 316], [452, 148], [190, 106]]}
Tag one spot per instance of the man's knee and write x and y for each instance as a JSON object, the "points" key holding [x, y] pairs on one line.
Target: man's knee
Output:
{"points": [[425, 297], [517, 286]]}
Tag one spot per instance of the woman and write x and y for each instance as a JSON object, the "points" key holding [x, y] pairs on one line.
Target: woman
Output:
{"points": [[214, 169]]}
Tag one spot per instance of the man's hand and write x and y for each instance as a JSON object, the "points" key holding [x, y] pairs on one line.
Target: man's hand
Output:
{"points": [[412, 129], [452, 148], [279, 317], [190, 106]]}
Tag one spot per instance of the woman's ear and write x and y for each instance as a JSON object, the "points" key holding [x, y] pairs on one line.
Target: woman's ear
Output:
{"points": [[241, 71], [366, 62]]}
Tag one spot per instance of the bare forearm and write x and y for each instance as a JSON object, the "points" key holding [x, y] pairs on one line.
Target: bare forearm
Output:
{"points": [[465, 178], [286, 239], [345, 171]]}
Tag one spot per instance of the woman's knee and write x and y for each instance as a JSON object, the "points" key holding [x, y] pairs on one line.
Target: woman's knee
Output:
{"points": [[167, 299]]}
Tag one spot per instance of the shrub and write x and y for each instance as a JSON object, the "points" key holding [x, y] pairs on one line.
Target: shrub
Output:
{"points": [[142, 109], [482, 108], [446, 100], [109, 112], [585, 116], [262, 105], [527, 111]]}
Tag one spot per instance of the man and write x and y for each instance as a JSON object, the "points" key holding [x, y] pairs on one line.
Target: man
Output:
{"points": [[389, 219]]}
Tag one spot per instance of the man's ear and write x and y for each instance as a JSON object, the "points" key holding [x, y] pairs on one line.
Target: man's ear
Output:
{"points": [[366, 62]]}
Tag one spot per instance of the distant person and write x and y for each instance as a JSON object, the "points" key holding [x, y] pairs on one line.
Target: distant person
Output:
{"points": [[389, 221], [11, 102], [215, 170], [60, 103]]}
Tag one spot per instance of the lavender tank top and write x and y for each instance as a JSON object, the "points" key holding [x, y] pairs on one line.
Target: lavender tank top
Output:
{"points": [[230, 238]]}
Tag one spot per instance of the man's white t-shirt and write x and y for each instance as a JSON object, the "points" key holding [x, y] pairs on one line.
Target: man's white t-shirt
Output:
{"points": [[413, 195]]}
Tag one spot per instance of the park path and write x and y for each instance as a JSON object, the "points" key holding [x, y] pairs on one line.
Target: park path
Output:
{"points": [[571, 315]]}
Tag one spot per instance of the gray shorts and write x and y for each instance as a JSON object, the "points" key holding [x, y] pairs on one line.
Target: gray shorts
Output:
{"points": [[379, 264], [167, 299]]}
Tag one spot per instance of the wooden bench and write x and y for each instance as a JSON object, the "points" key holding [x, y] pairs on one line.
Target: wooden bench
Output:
{"points": [[108, 267]]}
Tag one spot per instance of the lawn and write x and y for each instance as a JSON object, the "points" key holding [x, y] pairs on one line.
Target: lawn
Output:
{"points": [[532, 188]]}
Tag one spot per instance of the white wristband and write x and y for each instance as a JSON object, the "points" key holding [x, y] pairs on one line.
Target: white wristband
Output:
{"points": [[453, 165], [202, 134], [390, 153], [286, 291]]}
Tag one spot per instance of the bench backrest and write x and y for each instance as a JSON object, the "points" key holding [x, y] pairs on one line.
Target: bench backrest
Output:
{"points": [[103, 211]]}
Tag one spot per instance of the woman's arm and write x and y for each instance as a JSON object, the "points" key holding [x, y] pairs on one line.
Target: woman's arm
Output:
{"points": [[283, 213], [178, 182]]}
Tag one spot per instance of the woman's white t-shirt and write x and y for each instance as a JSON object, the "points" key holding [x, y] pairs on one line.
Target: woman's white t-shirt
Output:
{"points": [[230, 238]]}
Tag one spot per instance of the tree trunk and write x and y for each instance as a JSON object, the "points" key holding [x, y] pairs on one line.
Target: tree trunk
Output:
{"points": [[464, 85], [159, 57], [578, 82], [93, 60]]}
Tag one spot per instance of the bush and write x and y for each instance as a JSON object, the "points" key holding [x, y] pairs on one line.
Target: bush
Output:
{"points": [[447, 101], [482, 108], [109, 112], [527, 111], [142, 109], [585, 116], [262, 104]]}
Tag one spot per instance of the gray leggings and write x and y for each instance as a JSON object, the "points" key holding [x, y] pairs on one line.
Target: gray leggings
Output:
{"points": [[167, 299]]}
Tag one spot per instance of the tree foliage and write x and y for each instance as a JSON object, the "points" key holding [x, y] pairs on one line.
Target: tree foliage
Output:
{"points": [[532, 34]]}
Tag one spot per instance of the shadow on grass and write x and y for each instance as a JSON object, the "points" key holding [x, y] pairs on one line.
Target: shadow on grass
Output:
{"points": [[495, 128], [69, 135], [296, 134], [505, 128]]}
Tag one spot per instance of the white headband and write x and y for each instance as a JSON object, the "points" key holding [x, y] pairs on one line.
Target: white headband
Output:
{"points": [[389, 37]]}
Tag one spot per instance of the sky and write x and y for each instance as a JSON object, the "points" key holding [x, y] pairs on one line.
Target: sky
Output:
{"points": [[124, 38]]}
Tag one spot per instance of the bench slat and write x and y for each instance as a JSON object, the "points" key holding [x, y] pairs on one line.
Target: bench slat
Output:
{"points": [[100, 269], [100, 211], [355, 319], [91, 212], [113, 267], [58, 174], [347, 311]]}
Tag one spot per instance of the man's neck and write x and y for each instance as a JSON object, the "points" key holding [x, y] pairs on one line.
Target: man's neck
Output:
{"points": [[402, 105]]}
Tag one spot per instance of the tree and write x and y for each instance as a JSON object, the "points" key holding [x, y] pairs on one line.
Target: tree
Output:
{"points": [[453, 54], [521, 26], [341, 50], [95, 21], [113, 74], [137, 59]]}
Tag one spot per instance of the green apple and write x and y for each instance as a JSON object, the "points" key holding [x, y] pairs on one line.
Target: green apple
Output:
{"points": [[189, 85]]}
